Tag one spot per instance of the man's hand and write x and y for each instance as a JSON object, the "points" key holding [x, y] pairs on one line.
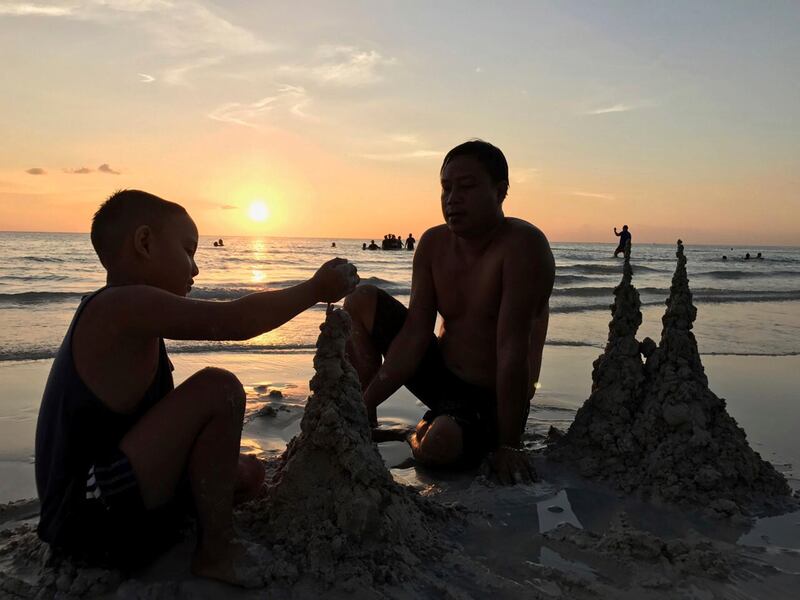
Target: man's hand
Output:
{"points": [[335, 279], [509, 466]]}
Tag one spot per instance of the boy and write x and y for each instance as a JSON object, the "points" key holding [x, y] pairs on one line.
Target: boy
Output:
{"points": [[115, 442]]}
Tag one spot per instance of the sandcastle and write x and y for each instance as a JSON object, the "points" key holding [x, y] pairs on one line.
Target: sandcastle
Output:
{"points": [[655, 427], [334, 514]]}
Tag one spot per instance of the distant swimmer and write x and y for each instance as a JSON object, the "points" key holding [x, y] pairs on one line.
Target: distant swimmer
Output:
{"points": [[216, 244], [624, 238], [410, 241], [364, 246], [372, 245], [724, 257], [333, 244], [220, 242], [759, 257], [747, 256]]}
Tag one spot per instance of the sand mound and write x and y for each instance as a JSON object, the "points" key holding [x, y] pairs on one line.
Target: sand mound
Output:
{"points": [[335, 515], [656, 427]]}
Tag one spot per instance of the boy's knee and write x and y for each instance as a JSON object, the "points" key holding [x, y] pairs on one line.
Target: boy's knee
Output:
{"points": [[442, 442], [361, 301], [226, 390]]}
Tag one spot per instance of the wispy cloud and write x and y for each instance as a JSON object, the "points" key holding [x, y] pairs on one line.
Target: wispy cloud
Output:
{"points": [[597, 196], [616, 108], [523, 175], [228, 207], [36, 171], [176, 75], [404, 138], [104, 168], [145, 78], [291, 98], [415, 154], [343, 65], [80, 171], [177, 28], [26, 9]]}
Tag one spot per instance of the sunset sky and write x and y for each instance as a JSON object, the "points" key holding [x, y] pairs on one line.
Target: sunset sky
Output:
{"points": [[677, 118]]}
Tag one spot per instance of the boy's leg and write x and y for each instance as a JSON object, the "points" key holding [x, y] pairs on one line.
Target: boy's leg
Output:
{"points": [[196, 428]]}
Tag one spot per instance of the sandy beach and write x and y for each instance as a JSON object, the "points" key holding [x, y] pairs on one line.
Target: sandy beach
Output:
{"points": [[518, 533]]}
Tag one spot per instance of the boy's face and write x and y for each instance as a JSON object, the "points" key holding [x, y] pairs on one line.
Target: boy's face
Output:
{"points": [[470, 199], [173, 255]]}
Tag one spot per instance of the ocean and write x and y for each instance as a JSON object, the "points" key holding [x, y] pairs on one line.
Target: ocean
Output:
{"points": [[745, 307]]}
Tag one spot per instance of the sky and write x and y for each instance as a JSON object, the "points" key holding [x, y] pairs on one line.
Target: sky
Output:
{"points": [[680, 118]]}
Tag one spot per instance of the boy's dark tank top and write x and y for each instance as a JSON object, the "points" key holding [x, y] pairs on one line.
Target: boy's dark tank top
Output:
{"points": [[74, 429]]}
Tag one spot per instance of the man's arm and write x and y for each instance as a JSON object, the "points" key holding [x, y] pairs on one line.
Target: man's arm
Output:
{"points": [[411, 342], [615, 232], [528, 275], [147, 311]]}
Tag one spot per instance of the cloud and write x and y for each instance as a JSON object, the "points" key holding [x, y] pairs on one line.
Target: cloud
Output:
{"points": [[403, 155], [228, 207], [81, 171], [345, 66], [616, 108], [104, 168], [405, 138], [597, 196], [24, 9], [291, 98], [177, 75], [523, 174], [145, 78], [36, 171]]}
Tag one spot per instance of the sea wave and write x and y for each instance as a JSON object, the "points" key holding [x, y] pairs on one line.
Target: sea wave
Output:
{"points": [[595, 269], [746, 274], [39, 297]]}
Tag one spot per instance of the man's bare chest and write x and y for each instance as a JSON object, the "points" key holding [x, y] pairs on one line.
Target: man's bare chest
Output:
{"points": [[468, 288]]}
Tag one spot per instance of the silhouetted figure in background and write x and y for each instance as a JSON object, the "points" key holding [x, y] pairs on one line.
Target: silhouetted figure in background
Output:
{"points": [[410, 241], [333, 244], [364, 246], [220, 242], [216, 244], [724, 257], [624, 237], [759, 257], [747, 256], [372, 245]]}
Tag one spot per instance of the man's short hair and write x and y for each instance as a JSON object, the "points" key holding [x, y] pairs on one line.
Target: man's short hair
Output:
{"points": [[491, 157], [121, 214]]}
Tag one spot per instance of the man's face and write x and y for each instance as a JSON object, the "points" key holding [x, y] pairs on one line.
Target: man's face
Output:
{"points": [[471, 202], [174, 248]]}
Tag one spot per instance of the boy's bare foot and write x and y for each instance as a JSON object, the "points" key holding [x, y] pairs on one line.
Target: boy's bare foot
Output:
{"points": [[237, 562]]}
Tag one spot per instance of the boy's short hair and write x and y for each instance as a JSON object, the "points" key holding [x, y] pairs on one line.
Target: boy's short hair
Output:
{"points": [[491, 157], [121, 214]]}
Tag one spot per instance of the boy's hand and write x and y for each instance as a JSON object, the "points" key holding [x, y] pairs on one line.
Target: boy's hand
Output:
{"points": [[335, 279]]}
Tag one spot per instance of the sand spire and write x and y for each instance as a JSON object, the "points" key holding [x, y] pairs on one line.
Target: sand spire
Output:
{"points": [[600, 438], [334, 512]]}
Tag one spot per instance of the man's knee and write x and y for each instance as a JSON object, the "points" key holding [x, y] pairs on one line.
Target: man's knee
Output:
{"points": [[442, 443], [361, 303], [225, 391]]}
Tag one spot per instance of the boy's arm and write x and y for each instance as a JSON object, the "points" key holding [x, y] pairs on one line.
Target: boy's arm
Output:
{"points": [[411, 342], [528, 274], [147, 311]]}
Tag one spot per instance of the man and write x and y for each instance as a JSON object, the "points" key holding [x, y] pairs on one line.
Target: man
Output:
{"points": [[490, 278], [624, 239]]}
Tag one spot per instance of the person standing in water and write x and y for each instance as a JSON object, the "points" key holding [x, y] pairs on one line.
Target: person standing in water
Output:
{"points": [[624, 238]]}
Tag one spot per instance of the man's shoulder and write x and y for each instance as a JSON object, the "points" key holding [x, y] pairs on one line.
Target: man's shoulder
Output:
{"points": [[521, 231]]}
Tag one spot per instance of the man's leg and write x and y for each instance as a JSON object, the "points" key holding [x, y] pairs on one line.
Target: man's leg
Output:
{"points": [[361, 350], [196, 428]]}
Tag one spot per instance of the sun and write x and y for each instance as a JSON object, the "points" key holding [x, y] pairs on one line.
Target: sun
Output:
{"points": [[258, 211]]}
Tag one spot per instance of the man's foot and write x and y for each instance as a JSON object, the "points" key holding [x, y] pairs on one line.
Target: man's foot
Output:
{"points": [[250, 476], [237, 562]]}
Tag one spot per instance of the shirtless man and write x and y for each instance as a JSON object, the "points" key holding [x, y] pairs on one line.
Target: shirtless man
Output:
{"points": [[490, 277]]}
